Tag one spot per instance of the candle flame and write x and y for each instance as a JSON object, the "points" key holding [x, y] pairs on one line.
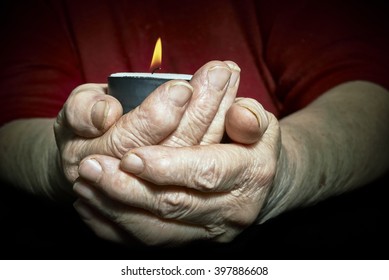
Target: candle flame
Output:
{"points": [[156, 61]]}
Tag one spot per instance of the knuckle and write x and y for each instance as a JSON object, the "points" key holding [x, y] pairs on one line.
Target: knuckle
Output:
{"points": [[141, 128], [71, 174], [215, 231], [71, 115], [153, 126], [174, 204], [178, 140], [84, 87], [121, 140], [206, 176], [158, 123], [187, 136], [204, 113], [69, 163]]}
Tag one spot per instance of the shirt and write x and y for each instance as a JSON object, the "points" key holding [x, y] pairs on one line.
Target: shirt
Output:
{"points": [[290, 52]]}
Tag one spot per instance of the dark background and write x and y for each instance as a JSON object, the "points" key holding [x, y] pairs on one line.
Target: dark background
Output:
{"points": [[350, 226]]}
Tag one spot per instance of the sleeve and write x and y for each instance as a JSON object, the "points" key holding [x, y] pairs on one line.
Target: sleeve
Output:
{"points": [[38, 61], [312, 46]]}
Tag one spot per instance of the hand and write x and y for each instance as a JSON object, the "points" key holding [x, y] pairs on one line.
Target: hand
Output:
{"points": [[176, 114], [171, 195]]}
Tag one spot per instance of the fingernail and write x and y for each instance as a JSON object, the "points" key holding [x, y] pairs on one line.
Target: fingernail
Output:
{"points": [[218, 76], [90, 169], [258, 112], [180, 92], [132, 163], [82, 210], [252, 113], [83, 190], [235, 74], [99, 114]]}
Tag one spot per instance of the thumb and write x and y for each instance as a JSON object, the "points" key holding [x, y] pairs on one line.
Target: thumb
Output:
{"points": [[206, 168], [89, 111], [246, 121]]}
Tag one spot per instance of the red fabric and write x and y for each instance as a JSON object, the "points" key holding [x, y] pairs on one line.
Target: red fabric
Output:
{"points": [[290, 52]]}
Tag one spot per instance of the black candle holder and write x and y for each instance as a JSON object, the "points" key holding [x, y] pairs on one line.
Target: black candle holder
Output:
{"points": [[132, 88]]}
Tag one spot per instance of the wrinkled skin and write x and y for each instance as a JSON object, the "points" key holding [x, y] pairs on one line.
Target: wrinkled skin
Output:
{"points": [[176, 114], [160, 174]]}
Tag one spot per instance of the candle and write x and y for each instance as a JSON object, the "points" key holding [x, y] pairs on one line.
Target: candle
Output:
{"points": [[132, 88]]}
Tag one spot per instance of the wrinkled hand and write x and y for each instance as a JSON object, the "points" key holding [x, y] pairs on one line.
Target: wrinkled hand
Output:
{"points": [[178, 113], [167, 195]]}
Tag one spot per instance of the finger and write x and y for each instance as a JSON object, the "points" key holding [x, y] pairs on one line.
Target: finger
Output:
{"points": [[140, 224], [215, 168], [210, 85], [219, 215], [246, 121], [152, 121], [215, 131], [89, 111], [167, 202], [100, 225]]}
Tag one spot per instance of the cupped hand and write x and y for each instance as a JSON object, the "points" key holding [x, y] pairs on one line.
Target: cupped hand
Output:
{"points": [[164, 195], [177, 113]]}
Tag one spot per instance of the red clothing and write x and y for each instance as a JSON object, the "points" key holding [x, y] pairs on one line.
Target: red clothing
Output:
{"points": [[290, 52]]}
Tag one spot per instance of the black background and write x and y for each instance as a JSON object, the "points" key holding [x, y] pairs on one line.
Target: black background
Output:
{"points": [[350, 226]]}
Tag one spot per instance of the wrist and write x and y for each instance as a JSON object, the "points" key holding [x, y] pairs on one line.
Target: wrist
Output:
{"points": [[60, 187], [32, 158], [277, 199], [293, 171]]}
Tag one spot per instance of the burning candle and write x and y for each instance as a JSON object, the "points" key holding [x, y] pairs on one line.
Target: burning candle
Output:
{"points": [[132, 88]]}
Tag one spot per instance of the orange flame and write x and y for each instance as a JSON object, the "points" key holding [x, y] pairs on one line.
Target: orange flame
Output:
{"points": [[156, 61]]}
